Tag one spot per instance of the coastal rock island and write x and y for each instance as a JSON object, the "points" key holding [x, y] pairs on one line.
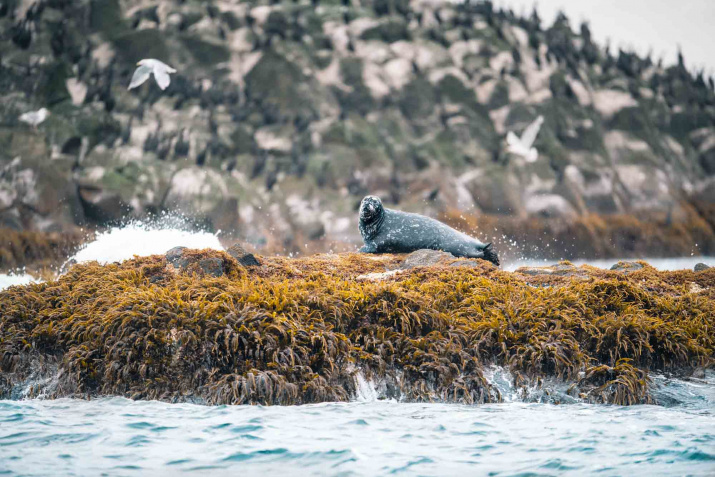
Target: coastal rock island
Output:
{"points": [[199, 326]]}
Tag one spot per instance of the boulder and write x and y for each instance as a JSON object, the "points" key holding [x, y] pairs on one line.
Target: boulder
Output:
{"points": [[196, 261], [243, 256], [176, 257], [699, 267], [425, 258], [561, 269], [627, 267], [213, 266]]}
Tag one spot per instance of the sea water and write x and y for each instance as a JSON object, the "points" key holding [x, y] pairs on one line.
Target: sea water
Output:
{"points": [[117, 436]]}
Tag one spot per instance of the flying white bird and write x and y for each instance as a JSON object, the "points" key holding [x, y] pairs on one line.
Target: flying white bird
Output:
{"points": [[35, 118], [146, 68], [523, 146]]}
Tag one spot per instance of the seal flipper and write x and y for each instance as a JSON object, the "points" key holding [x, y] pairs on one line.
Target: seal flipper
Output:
{"points": [[368, 248]]}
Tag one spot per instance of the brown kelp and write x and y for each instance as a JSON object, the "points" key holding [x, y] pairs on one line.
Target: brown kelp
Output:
{"points": [[595, 235], [204, 328], [36, 250]]}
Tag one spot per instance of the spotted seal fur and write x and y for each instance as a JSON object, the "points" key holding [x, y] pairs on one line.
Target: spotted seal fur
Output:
{"points": [[391, 231]]}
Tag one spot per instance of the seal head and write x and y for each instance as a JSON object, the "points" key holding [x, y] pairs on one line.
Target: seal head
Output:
{"points": [[372, 214]]}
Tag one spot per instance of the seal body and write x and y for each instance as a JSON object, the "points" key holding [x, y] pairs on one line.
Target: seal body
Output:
{"points": [[391, 231]]}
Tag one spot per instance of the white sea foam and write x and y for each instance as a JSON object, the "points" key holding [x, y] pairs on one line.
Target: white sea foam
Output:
{"points": [[123, 243], [366, 390], [10, 280], [501, 378]]}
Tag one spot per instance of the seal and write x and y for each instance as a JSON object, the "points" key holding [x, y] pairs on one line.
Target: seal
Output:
{"points": [[391, 231]]}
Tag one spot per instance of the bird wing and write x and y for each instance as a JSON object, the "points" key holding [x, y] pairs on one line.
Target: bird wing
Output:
{"points": [[532, 130], [26, 117], [140, 76], [512, 140], [161, 76]]}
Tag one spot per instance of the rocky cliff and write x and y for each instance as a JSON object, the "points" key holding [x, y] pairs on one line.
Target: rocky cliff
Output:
{"points": [[284, 114]]}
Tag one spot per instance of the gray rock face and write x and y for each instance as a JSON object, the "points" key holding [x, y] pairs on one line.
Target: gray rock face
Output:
{"points": [[627, 267], [560, 269], [274, 101], [212, 266], [425, 258], [243, 256], [176, 257], [699, 267]]}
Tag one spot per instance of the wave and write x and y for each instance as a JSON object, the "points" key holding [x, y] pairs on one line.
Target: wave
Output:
{"points": [[142, 239], [12, 280]]}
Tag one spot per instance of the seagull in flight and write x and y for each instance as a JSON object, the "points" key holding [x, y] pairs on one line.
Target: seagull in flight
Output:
{"points": [[523, 146], [34, 118], [146, 68]]}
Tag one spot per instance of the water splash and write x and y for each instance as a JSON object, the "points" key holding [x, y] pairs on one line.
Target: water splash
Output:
{"points": [[689, 392], [143, 239], [12, 280], [502, 380], [366, 391]]}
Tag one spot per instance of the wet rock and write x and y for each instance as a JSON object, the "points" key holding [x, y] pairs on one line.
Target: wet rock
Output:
{"points": [[195, 261], [176, 257], [562, 269], [627, 267], [425, 258], [212, 266], [699, 267], [243, 256]]}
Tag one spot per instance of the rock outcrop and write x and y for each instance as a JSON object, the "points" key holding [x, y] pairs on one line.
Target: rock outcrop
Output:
{"points": [[197, 326], [284, 114]]}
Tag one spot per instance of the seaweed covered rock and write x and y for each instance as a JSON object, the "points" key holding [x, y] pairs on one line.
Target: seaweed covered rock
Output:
{"points": [[424, 258], [201, 262], [244, 257], [627, 267], [562, 269], [299, 330], [36, 250]]}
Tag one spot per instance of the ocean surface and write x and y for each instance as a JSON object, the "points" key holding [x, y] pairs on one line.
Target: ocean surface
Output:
{"points": [[116, 436]]}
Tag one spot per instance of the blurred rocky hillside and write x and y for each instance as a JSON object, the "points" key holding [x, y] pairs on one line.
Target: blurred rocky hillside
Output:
{"points": [[283, 115]]}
